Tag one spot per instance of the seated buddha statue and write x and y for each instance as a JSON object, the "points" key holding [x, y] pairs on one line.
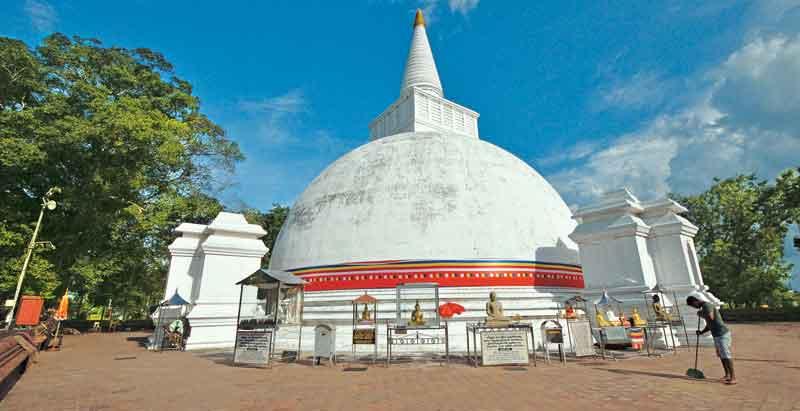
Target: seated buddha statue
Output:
{"points": [[601, 320], [637, 320], [365, 315], [661, 312], [416, 316], [494, 312]]}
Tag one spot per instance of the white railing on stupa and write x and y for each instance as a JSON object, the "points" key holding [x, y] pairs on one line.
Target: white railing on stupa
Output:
{"points": [[422, 110]]}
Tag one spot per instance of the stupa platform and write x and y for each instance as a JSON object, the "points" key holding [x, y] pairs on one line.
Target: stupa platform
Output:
{"points": [[112, 371]]}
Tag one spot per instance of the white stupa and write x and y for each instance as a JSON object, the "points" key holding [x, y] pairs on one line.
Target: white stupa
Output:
{"points": [[428, 201]]}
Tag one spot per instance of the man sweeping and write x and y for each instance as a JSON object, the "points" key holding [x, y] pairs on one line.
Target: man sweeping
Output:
{"points": [[721, 334]]}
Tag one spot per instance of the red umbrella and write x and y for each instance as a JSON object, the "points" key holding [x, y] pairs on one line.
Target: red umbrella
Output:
{"points": [[447, 310]]}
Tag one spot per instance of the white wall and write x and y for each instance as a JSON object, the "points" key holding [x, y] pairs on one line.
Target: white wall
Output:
{"points": [[206, 263]]}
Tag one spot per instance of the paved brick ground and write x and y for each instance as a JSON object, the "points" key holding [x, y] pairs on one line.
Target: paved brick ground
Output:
{"points": [[113, 372]]}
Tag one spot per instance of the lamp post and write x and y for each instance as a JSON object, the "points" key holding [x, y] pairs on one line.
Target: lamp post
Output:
{"points": [[48, 204]]}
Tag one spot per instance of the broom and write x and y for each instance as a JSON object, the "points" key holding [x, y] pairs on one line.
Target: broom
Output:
{"points": [[694, 372]]}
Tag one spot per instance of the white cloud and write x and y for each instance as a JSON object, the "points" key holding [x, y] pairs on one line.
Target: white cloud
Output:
{"points": [[760, 85], [639, 161], [42, 15], [463, 6], [746, 121], [579, 151], [282, 153], [431, 10], [644, 89], [293, 101], [276, 117]]}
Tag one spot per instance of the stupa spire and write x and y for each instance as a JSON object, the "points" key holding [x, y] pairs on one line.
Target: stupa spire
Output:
{"points": [[420, 67], [421, 106], [419, 19]]}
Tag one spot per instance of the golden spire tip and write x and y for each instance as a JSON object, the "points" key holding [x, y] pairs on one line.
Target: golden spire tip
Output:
{"points": [[419, 20]]}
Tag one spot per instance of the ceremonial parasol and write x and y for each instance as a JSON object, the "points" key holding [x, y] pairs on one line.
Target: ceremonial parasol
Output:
{"points": [[447, 310], [606, 299], [63, 307]]}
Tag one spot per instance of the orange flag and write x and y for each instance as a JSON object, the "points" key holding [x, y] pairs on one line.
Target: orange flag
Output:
{"points": [[63, 307]]}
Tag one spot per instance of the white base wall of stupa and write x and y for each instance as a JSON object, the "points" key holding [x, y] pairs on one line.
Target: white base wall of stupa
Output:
{"points": [[334, 308]]}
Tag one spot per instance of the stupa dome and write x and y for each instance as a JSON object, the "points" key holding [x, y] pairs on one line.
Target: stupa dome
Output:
{"points": [[427, 201], [426, 196]]}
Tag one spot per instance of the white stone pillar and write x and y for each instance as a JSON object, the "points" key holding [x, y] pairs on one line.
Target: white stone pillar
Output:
{"points": [[628, 246], [232, 251], [672, 246], [186, 261], [677, 266], [612, 242]]}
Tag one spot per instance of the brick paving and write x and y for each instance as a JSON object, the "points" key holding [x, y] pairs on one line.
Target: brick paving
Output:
{"points": [[113, 372]]}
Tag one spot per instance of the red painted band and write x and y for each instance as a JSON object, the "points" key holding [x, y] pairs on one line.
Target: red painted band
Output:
{"points": [[445, 278]]}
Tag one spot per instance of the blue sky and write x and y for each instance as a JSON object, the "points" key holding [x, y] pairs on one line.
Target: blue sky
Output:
{"points": [[657, 96]]}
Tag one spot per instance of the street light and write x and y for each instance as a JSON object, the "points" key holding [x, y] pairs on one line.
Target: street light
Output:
{"points": [[49, 204]]}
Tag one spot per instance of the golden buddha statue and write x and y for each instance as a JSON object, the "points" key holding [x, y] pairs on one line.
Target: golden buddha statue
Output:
{"points": [[365, 315], [637, 320], [661, 312], [601, 320], [416, 316], [494, 312]]}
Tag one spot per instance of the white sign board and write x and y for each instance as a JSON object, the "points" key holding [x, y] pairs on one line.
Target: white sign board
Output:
{"points": [[581, 333], [252, 347], [504, 347]]}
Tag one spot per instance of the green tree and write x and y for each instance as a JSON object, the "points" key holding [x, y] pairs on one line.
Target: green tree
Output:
{"points": [[125, 139], [743, 223], [272, 221]]}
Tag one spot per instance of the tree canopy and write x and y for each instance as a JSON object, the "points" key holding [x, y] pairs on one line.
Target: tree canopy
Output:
{"points": [[272, 221], [126, 141], [743, 223]]}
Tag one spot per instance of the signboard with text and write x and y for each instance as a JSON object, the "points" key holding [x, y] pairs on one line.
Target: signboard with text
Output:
{"points": [[364, 336], [504, 347], [253, 347]]}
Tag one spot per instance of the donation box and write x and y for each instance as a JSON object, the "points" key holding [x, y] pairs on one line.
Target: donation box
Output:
{"points": [[552, 332], [324, 341]]}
